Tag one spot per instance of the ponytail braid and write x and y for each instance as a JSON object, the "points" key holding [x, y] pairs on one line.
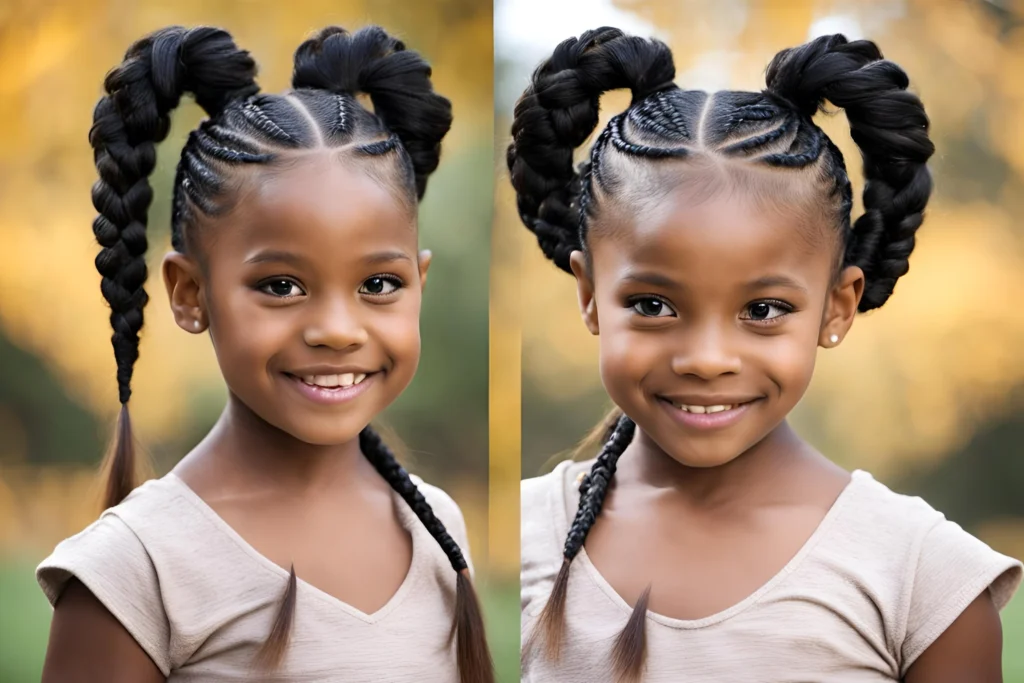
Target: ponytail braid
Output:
{"points": [[473, 657], [127, 124], [593, 489]]}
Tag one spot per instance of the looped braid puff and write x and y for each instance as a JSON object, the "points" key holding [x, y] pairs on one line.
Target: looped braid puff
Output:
{"points": [[663, 125], [246, 129], [127, 124]]}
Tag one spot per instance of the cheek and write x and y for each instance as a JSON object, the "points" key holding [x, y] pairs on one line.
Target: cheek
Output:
{"points": [[788, 360], [235, 314], [397, 328], [627, 355]]}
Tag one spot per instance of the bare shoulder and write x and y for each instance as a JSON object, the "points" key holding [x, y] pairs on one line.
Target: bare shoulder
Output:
{"points": [[89, 645]]}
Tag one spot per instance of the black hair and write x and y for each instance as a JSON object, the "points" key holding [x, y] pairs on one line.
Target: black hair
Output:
{"points": [[664, 124], [245, 128]]}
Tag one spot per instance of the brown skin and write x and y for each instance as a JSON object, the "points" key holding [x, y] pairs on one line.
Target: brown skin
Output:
{"points": [[277, 461], [678, 300]]}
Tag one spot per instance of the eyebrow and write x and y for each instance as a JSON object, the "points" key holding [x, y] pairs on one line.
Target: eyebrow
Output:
{"points": [[654, 279], [276, 256], [775, 281], [387, 257]]}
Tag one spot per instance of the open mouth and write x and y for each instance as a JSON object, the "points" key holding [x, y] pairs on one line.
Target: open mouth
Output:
{"points": [[333, 381], [707, 416], [332, 389]]}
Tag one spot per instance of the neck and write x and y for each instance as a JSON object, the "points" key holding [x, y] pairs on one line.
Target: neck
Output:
{"points": [[764, 467], [245, 449]]}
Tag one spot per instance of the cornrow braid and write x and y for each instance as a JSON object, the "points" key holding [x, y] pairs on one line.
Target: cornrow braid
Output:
{"points": [[246, 129], [664, 124], [558, 112]]}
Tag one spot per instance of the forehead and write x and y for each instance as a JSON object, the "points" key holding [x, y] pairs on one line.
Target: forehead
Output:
{"points": [[725, 237], [320, 204]]}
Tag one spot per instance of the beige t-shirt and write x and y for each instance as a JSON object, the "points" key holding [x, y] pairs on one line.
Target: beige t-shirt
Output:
{"points": [[201, 601], [878, 581]]}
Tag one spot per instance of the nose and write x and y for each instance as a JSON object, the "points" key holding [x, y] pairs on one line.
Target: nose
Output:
{"points": [[335, 323], [706, 353]]}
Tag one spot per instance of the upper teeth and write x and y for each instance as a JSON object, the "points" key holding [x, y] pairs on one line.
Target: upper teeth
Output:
{"points": [[703, 409], [346, 380]]}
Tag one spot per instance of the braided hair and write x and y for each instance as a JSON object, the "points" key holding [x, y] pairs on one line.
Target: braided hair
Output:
{"points": [[245, 128], [771, 130]]}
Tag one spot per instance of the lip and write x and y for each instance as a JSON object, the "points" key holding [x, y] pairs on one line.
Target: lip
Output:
{"points": [[707, 421], [332, 395]]}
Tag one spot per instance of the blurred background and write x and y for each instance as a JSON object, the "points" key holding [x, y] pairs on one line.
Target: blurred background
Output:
{"points": [[57, 390], [928, 392]]}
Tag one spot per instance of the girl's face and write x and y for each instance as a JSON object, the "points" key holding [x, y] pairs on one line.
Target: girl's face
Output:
{"points": [[709, 315], [311, 290]]}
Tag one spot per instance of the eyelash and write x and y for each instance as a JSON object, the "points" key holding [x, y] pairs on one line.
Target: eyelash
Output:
{"points": [[394, 280], [633, 302], [782, 305], [786, 309], [264, 287]]}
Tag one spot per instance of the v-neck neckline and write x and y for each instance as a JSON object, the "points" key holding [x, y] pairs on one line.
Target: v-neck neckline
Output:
{"points": [[820, 531], [406, 516]]}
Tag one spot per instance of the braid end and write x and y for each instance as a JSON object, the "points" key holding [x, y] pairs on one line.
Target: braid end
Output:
{"points": [[272, 652], [120, 465], [630, 650], [472, 654], [550, 625]]}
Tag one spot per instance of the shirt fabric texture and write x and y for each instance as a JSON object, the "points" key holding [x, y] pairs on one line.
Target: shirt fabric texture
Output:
{"points": [[880, 579], [201, 601]]}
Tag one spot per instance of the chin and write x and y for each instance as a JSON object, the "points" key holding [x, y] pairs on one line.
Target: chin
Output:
{"points": [[326, 435], [700, 453]]}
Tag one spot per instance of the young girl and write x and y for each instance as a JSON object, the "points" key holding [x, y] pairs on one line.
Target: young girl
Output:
{"points": [[711, 242], [295, 246]]}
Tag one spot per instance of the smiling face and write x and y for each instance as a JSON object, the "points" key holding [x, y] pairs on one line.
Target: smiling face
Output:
{"points": [[710, 310], [311, 290]]}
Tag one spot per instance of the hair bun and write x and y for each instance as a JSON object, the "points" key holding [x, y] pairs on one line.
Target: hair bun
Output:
{"points": [[204, 61], [397, 80], [804, 75]]}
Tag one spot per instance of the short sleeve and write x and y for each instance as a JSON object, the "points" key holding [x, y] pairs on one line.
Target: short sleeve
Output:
{"points": [[542, 511], [111, 561], [953, 569]]}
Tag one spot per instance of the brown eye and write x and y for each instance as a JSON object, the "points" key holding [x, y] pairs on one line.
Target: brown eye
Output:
{"points": [[651, 307], [380, 285], [767, 311], [281, 288]]}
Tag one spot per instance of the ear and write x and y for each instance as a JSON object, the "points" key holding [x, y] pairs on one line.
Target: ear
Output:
{"points": [[841, 306], [585, 291], [425, 257], [184, 282]]}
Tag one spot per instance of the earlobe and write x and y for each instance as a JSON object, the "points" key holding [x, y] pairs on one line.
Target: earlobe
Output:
{"points": [[183, 281], [585, 292], [425, 257], [842, 307]]}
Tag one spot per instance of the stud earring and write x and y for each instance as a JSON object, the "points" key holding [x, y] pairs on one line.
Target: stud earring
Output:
{"points": [[196, 324], [834, 339]]}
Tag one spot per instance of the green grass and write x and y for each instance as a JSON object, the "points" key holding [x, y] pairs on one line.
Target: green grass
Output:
{"points": [[25, 621]]}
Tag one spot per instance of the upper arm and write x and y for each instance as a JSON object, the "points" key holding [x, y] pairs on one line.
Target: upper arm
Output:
{"points": [[969, 650], [88, 645]]}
